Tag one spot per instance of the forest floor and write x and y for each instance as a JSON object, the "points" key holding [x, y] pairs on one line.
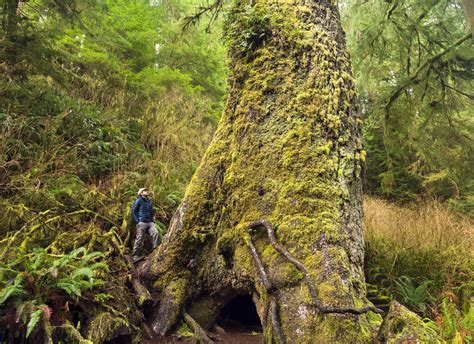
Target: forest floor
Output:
{"points": [[235, 333], [229, 337]]}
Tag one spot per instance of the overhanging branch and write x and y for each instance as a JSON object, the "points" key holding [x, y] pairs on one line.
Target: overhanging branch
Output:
{"points": [[415, 77], [213, 9]]}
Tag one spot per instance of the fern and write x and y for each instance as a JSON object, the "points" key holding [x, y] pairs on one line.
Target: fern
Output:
{"points": [[448, 314], [457, 326], [72, 289], [35, 317], [82, 272], [415, 297], [48, 275], [16, 289]]}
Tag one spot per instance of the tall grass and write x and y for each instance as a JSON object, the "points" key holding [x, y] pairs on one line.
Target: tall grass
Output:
{"points": [[425, 226], [423, 255]]}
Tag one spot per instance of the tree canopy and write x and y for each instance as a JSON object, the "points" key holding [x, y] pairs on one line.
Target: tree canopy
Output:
{"points": [[413, 61]]}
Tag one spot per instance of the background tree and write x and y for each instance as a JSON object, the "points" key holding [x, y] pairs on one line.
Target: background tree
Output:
{"points": [[413, 63]]}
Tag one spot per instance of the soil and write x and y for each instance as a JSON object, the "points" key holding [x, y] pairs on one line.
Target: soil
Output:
{"points": [[234, 334], [228, 338]]}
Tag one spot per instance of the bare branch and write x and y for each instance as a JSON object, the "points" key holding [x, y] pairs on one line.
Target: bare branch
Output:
{"points": [[213, 9]]}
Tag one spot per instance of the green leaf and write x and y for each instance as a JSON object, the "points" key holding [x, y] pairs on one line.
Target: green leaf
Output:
{"points": [[82, 272], [10, 291], [100, 266], [35, 317], [71, 289]]}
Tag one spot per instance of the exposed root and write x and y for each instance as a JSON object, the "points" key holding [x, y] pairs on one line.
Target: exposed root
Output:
{"points": [[275, 320], [144, 298], [266, 309], [201, 335], [148, 333], [319, 306], [271, 304], [266, 283]]}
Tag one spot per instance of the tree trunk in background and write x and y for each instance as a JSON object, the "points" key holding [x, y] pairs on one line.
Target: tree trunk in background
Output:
{"points": [[10, 28], [289, 150], [469, 10], [10, 17]]}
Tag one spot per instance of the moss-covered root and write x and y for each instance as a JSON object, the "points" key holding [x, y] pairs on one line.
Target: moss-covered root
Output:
{"points": [[69, 334], [403, 326], [105, 326], [171, 304]]}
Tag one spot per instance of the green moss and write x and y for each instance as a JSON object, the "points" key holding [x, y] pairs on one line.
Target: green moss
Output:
{"points": [[105, 326], [70, 334], [204, 311], [403, 326]]}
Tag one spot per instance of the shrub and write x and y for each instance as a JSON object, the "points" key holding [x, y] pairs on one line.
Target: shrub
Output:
{"points": [[32, 283]]}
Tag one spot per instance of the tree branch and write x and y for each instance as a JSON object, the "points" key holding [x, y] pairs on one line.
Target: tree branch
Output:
{"points": [[214, 9], [415, 76]]}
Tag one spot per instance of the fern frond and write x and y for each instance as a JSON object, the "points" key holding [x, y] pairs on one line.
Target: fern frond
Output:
{"points": [[35, 317]]}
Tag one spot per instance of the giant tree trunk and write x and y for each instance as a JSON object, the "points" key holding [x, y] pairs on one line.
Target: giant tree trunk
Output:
{"points": [[288, 150]]}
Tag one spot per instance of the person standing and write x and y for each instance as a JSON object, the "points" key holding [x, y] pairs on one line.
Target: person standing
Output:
{"points": [[143, 215]]}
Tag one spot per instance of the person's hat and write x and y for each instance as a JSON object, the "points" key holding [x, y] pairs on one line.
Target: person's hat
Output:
{"points": [[141, 190]]}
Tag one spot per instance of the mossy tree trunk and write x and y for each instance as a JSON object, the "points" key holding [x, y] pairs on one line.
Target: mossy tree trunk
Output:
{"points": [[289, 150]]}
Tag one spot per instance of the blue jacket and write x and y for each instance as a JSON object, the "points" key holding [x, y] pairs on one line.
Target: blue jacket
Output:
{"points": [[142, 210]]}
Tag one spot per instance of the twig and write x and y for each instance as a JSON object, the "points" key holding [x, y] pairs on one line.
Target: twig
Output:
{"points": [[414, 77], [214, 8]]}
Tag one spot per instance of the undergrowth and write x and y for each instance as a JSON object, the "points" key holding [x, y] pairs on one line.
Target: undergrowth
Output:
{"points": [[423, 257], [93, 107]]}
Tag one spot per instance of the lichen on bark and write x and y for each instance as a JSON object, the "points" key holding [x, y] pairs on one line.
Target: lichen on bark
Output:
{"points": [[288, 149]]}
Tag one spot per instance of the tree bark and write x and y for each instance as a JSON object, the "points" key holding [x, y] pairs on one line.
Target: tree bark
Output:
{"points": [[288, 149], [10, 18]]}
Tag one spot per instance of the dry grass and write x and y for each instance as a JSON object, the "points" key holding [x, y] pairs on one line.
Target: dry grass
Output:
{"points": [[426, 226], [426, 243]]}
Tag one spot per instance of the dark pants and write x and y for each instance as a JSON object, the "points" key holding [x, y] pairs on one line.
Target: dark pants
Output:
{"points": [[142, 229]]}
